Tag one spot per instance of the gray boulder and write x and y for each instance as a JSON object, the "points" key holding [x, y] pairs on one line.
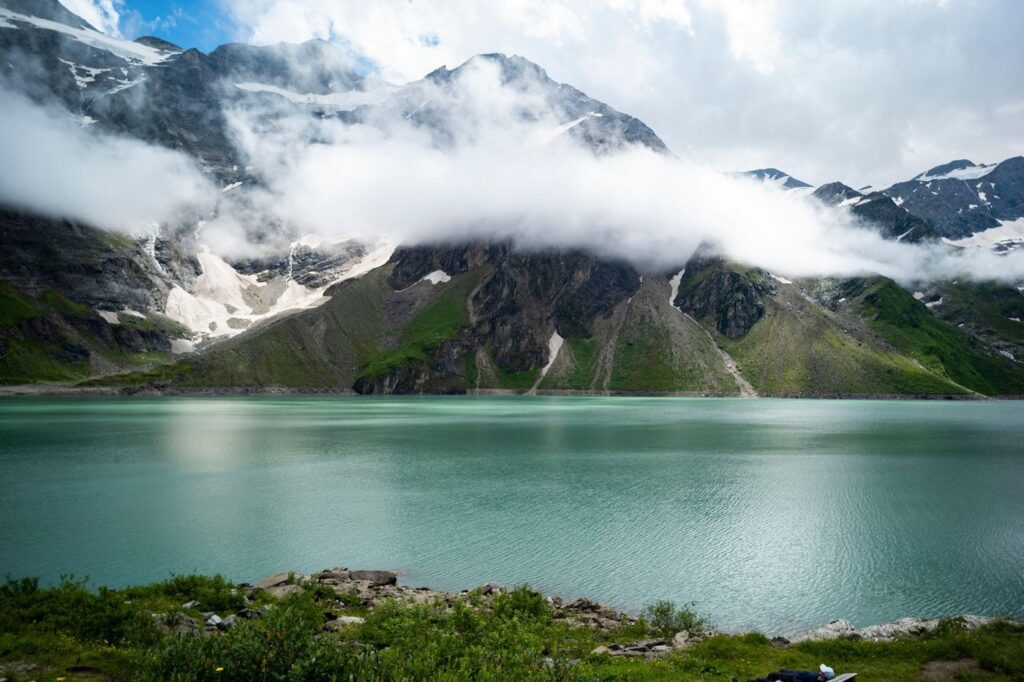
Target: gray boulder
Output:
{"points": [[274, 580], [282, 591], [375, 578]]}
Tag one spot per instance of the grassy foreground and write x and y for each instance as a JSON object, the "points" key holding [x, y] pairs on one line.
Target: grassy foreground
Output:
{"points": [[70, 632]]}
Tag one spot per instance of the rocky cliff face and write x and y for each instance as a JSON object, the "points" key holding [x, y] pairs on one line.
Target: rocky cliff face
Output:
{"points": [[732, 300], [521, 299], [99, 269]]}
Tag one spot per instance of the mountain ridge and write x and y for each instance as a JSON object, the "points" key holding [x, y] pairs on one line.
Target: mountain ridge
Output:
{"points": [[450, 317]]}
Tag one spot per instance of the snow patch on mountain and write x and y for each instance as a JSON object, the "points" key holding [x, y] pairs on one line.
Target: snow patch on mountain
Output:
{"points": [[554, 346], [1009, 235], [342, 101], [968, 173], [674, 283], [437, 277], [126, 49], [225, 302], [566, 127]]}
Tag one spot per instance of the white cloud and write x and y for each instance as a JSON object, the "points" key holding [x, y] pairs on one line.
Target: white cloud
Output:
{"points": [[754, 34], [504, 176], [59, 168], [102, 14], [838, 90]]}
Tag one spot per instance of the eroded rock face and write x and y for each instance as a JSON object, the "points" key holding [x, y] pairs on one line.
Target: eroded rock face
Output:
{"points": [[734, 300], [522, 295]]}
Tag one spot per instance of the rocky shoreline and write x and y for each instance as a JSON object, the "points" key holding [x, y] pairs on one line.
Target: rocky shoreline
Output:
{"points": [[366, 589]]}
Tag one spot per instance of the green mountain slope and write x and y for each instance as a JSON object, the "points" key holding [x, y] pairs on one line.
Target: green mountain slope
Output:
{"points": [[802, 348], [911, 328], [645, 346], [727, 330], [48, 338]]}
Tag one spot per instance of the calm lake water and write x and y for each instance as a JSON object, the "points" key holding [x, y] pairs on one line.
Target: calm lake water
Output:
{"points": [[771, 514]]}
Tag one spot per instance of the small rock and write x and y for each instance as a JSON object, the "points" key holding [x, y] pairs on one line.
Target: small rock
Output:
{"points": [[190, 604], [834, 630], [681, 639], [600, 650], [780, 642], [248, 614], [282, 591], [228, 623], [342, 622], [491, 588], [274, 580], [176, 623], [332, 576], [214, 620]]}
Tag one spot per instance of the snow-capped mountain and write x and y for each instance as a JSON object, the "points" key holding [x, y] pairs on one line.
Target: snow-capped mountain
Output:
{"points": [[960, 199], [84, 303], [878, 210], [178, 98], [780, 179]]}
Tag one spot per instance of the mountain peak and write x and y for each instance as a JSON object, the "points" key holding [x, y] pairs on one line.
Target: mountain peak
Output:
{"points": [[158, 44], [947, 168], [513, 68], [835, 193], [774, 176], [51, 10]]}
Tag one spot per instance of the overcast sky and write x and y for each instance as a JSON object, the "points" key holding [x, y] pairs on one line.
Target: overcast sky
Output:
{"points": [[863, 91]]}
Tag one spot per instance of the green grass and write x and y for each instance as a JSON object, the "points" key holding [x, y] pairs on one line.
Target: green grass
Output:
{"points": [[584, 365], [162, 374], [59, 304], [27, 362], [471, 370], [505, 637], [643, 361], [15, 307], [516, 381]]}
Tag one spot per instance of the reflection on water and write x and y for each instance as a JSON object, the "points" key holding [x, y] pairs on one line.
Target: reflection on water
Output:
{"points": [[769, 513]]}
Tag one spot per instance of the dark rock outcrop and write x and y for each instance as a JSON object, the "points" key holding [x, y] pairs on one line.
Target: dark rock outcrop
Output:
{"points": [[733, 300]]}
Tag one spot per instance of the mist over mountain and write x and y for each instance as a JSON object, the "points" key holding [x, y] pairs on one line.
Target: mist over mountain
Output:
{"points": [[276, 216]]}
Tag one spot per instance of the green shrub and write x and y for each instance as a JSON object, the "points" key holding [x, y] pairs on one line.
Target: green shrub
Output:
{"points": [[213, 593], [286, 644], [667, 619], [71, 608]]}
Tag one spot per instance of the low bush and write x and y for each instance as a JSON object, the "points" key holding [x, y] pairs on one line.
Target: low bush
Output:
{"points": [[667, 619]]}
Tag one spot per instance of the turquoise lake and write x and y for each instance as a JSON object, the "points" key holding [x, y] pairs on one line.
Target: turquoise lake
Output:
{"points": [[770, 514]]}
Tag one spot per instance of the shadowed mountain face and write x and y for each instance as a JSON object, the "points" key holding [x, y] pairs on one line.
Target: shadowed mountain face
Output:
{"points": [[879, 211], [79, 303]]}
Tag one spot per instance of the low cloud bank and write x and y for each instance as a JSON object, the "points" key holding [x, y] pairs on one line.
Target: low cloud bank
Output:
{"points": [[509, 168]]}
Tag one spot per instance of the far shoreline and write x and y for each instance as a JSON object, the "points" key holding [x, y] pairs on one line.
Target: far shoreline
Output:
{"points": [[73, 391]]}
